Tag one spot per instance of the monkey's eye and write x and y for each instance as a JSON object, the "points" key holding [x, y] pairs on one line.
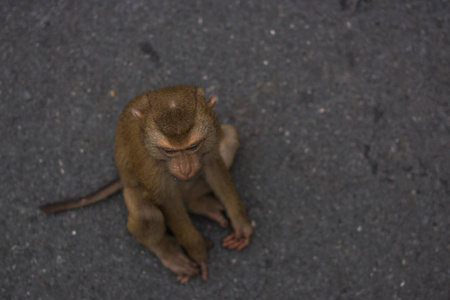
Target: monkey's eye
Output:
{"points": [[194, 146], [168, 151]]}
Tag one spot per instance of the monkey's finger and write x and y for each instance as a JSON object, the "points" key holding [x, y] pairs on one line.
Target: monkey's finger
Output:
{"points": [[232, 238], [243, 243], [228, 242], [229, 237], [232, 245], [231, 242], [204, 271]]}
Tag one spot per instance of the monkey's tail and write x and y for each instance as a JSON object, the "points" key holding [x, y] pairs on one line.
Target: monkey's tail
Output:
{"points": [[102, 193]]}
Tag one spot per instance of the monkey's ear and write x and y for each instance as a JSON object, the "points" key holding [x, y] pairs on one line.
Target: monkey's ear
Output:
{"points": [[212, 101], [137, 113]]}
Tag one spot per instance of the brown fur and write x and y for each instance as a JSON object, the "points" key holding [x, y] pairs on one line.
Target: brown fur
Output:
{"points": [[173, 157]]}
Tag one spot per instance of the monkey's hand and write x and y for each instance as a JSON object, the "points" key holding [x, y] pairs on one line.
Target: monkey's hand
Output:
{"points": [[240, 238]]}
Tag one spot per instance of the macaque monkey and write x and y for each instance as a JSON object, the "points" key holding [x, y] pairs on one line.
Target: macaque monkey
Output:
{"points": [[173, 158]]}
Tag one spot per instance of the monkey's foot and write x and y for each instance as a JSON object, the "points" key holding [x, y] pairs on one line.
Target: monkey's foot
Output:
{"points": [[208, 206], [232, 241], [173, 257], [184, 278]]}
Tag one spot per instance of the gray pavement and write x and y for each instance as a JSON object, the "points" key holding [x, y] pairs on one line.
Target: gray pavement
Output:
{"points": [[343, 111]]}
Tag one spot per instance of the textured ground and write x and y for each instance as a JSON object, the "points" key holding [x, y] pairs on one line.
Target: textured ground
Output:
{"points": [[343, 112]]}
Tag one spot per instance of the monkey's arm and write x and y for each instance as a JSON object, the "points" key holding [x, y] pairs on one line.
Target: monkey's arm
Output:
{"points": [[220, 181], [180, 224], [101, 194]]}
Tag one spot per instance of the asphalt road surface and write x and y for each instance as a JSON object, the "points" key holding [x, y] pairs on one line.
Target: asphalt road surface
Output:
{"points": [[343, 112]]}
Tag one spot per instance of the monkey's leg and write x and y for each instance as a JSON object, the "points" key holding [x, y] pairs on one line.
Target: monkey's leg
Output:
{"points": [[200, 200], [146, 223], [207, 206], [177, 219]]}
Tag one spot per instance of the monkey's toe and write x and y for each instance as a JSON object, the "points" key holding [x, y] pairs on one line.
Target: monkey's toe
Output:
{"points": [[183, 279], [208, 206], [188, 273], [204, 271], [184, 267], [219, 218]]}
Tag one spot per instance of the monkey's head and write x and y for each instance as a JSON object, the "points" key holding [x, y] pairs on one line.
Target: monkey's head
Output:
{"points": [[178, 127]]}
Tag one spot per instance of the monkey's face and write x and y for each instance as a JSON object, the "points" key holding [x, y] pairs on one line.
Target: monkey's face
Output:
{"points": [[184, 163], [179, 127]]}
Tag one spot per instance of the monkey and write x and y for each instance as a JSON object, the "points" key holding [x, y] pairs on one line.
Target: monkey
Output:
{"points": [[173, 158]]}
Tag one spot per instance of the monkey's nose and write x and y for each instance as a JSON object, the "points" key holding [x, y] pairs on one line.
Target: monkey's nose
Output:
{"points": [[185, 170]]}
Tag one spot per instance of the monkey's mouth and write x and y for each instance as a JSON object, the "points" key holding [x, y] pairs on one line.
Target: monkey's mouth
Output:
{"points": [[187, 178]]}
